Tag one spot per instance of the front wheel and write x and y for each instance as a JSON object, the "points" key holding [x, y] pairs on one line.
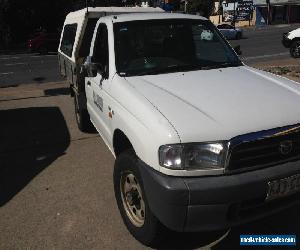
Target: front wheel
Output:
{"points": [[295, 49], [132, 201]]}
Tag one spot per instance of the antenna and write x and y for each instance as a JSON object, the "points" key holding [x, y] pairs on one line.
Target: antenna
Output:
{"points": [[87, 7]]}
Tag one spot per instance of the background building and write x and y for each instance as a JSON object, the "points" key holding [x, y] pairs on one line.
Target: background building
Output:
{"points": [[277, 11], [258, 12]]}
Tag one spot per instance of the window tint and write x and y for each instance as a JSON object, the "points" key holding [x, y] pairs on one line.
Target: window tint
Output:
{"points": [[205, 41], [87, 38], [68, 39], [101, 47], [162, 46]]}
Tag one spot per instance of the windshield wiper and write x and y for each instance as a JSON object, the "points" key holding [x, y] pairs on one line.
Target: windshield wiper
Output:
{"points": [[180, 68], [168, 69], [222, 65]]}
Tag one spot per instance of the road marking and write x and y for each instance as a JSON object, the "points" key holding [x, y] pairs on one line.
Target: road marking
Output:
{"points": [[15, 54], [13, 64], [43, 56], [7, 58], [7, 73], [265, 56]]}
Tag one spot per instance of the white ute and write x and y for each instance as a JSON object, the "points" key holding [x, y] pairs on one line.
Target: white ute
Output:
{"points": [[202, 142], [291, 40]]}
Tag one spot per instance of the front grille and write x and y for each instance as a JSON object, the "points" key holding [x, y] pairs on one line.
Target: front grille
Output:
{"points": [[265, 148]]}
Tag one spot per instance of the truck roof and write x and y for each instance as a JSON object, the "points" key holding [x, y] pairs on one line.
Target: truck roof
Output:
{"points": [[151, 16], [94, 12]]}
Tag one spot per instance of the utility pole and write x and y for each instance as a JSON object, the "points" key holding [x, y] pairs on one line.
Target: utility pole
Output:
{"points": [[269, 12], [219, 10], [234, 14]]}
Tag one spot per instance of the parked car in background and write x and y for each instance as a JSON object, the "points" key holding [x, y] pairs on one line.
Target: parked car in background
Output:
{"points": [[43, 42], [230, 32], [291, 40]]}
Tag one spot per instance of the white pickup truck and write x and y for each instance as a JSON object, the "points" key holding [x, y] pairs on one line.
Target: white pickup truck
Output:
{"points": [[202, 141], [291, 40]]}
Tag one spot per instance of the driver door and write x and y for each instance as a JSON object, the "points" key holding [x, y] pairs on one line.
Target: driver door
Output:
{"points": [[97, 87]]}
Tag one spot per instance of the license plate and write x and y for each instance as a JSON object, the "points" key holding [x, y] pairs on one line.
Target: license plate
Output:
{"points": [[283, 187]]}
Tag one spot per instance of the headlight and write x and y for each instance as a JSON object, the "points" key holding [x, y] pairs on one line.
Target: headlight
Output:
{"points": [[192, 156]]}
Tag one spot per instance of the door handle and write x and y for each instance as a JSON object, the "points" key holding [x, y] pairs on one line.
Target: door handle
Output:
{"points": [[88, 83]]}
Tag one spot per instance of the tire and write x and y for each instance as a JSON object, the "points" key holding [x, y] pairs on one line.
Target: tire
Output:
{"points": [[82, 116], [238, 36], [133, 204], [295, 49]]}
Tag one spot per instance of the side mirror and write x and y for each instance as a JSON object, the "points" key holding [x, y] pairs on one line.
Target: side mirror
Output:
{"points": [[237, 50], [102, 70], [90, 68]]}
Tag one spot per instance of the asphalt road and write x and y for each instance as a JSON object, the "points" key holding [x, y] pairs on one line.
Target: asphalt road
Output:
{"points": [[56, 187], [25, 68], [258, 45], [263, 44]]}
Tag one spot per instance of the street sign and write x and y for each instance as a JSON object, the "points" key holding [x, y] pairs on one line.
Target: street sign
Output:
{"points": [[244, 10]]}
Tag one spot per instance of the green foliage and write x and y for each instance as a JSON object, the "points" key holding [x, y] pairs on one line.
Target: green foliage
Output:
{"points": [[204, 7]]}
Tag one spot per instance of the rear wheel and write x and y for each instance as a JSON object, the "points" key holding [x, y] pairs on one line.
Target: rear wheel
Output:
{"points": [[132, 202], [82, 116], [295, 49]]}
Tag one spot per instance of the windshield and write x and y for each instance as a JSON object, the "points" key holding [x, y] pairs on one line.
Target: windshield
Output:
{"points": [[148, 47]]}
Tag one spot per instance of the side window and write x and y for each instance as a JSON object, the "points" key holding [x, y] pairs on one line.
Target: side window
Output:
{"points": [[100, 54], [87, 37], [205, 41], [68, 39]]}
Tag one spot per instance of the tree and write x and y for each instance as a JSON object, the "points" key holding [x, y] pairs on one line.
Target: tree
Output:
{"points": [[4, 28], [19, 18], [204, 7]]}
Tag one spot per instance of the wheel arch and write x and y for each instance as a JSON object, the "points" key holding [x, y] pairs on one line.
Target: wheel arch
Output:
{"points": [[121, 142], [295, 39]]}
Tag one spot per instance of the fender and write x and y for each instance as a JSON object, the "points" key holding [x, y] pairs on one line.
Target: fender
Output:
{"points": [[137, 118]]}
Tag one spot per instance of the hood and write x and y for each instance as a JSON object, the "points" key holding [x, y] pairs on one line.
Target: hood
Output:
{"points": [[220, 104], [295, 32]]}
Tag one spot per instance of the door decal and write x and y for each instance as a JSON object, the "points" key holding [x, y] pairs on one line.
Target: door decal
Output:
{"points": [[98, 101]]}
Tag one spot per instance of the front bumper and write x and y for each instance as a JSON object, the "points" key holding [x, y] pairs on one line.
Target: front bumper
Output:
{"points": [[286, 41], [214, 202]]}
